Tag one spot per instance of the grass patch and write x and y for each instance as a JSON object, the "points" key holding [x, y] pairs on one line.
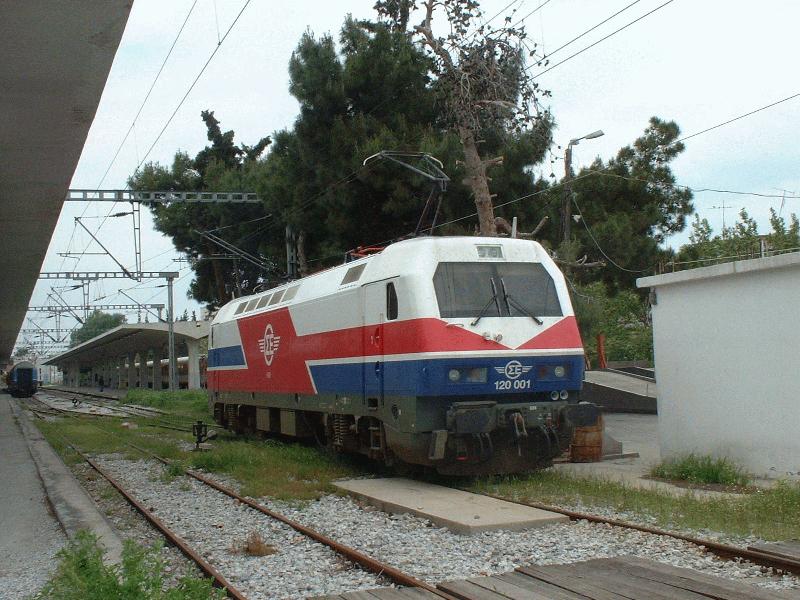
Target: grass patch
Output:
{"points": [[191, 404], [171, 472], [702, 469], [772, 514], [288, 471], [273, 468], [108, 436], [81, 575]]}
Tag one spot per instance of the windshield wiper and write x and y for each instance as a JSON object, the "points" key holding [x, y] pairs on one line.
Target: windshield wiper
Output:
{"points": [[510, 301], [488, 304]]}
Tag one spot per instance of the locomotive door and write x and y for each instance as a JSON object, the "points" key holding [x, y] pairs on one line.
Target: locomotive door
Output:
{"points": [[373, 315]]}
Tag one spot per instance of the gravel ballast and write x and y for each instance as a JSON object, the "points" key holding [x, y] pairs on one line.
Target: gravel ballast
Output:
{"points": [[435, 554], [217, 527]]}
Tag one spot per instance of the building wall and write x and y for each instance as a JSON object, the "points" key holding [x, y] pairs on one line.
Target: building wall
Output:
{"points": [[728, 363]]}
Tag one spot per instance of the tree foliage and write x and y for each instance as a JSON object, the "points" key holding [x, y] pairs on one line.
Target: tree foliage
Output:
{"points": [[97, 323], [481, 84], [368, 91], [221, 166], [627, 207], [622, 318], [739, 241]]}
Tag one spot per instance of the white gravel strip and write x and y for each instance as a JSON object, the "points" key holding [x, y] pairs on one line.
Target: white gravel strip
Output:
{"points": [[214, 524], [88, 408], [434, 554]]}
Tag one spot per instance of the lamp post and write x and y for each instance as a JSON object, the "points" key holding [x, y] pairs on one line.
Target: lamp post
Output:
{"points": [[566, 205]]}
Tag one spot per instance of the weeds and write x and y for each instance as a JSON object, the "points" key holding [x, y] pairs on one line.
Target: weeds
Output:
{"points": [[171, 472], [771, 514], [702, 469], [82, 575], [254, 545]]}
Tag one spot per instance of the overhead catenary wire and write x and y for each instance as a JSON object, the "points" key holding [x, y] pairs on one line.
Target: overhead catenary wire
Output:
{"points": [[613, 33], [588, 31], [729, 121], [136, 117], [180, 103], [691, 189]]}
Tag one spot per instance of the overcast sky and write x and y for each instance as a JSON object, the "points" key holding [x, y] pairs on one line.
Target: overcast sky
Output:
{"points": [[696, 62]]}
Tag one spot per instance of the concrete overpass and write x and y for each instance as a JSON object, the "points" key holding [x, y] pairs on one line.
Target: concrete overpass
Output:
{"points": [[56, 59]]}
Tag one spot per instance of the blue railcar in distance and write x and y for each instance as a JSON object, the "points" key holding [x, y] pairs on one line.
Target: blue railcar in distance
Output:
{"points": [[22, 380]]}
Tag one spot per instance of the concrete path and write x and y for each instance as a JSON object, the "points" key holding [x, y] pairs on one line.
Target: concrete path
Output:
{"points": [[31, 535], [460, 512], [632, 385], [71, 503], [638, 433]]}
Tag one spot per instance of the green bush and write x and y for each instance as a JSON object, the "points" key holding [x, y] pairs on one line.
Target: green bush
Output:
{"points": [[701, 469], [82, 575], [623, 318]]}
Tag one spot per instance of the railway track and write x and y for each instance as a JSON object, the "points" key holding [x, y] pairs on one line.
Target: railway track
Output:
{"points": [[364, 561], [725, 551], [137, 412]]}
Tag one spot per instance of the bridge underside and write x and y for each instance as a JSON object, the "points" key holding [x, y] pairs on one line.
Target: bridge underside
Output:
{"points": [[56, 59]]}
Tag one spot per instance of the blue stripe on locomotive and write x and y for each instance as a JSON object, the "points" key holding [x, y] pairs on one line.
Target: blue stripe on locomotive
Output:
{"points": [[429, 377]]}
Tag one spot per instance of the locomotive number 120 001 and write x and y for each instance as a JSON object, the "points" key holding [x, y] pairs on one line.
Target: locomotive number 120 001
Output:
{"points": [[517, 384]]}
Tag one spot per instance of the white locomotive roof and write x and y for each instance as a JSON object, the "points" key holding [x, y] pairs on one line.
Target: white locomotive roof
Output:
{"points": [[416, 257]]}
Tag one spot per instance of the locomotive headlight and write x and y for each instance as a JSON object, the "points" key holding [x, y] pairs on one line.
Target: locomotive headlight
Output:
{"points": [[454, 375], [559, 371]]}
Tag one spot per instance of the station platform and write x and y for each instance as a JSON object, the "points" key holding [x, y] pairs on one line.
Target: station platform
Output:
{"points": [[460, 512], [31, 535], [40, 495]]}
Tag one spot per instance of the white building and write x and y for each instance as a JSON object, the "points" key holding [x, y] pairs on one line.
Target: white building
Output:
{"points": [[727, 359]]}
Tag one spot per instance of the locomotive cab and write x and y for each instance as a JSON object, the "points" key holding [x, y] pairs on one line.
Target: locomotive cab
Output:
{"points": [[458, 353]]}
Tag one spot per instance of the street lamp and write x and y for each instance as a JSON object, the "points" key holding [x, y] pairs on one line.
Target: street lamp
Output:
{"points": [[566, 206]]}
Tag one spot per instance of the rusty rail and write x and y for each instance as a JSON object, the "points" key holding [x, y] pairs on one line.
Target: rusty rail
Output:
{"points": [[724, 550], [365, 561], [174, 538]]}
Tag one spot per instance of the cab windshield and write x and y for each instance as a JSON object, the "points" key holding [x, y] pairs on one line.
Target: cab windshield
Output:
{"points": [[464, 289]]}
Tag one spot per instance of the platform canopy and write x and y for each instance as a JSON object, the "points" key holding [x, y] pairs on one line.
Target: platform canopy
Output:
{"points": [[129, 338], [56, 57]]}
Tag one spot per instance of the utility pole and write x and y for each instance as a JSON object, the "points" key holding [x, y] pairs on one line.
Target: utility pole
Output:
{"points": [[566, 205], [292, 270], [173, 365]]}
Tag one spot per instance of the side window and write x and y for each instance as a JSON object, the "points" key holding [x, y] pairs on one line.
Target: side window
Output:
{"points": [[391, 302]]}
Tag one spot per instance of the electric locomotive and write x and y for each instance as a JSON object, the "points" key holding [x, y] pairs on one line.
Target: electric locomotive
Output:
{"points": [[457, 353]]}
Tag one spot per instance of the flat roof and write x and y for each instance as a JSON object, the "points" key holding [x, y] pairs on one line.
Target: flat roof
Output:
{"points": [[56, 59], [130, 337], [781, 261]]}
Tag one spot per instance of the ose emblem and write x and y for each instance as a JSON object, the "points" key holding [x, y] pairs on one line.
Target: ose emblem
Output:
{"points": [[513, 369], [269, 344]]}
